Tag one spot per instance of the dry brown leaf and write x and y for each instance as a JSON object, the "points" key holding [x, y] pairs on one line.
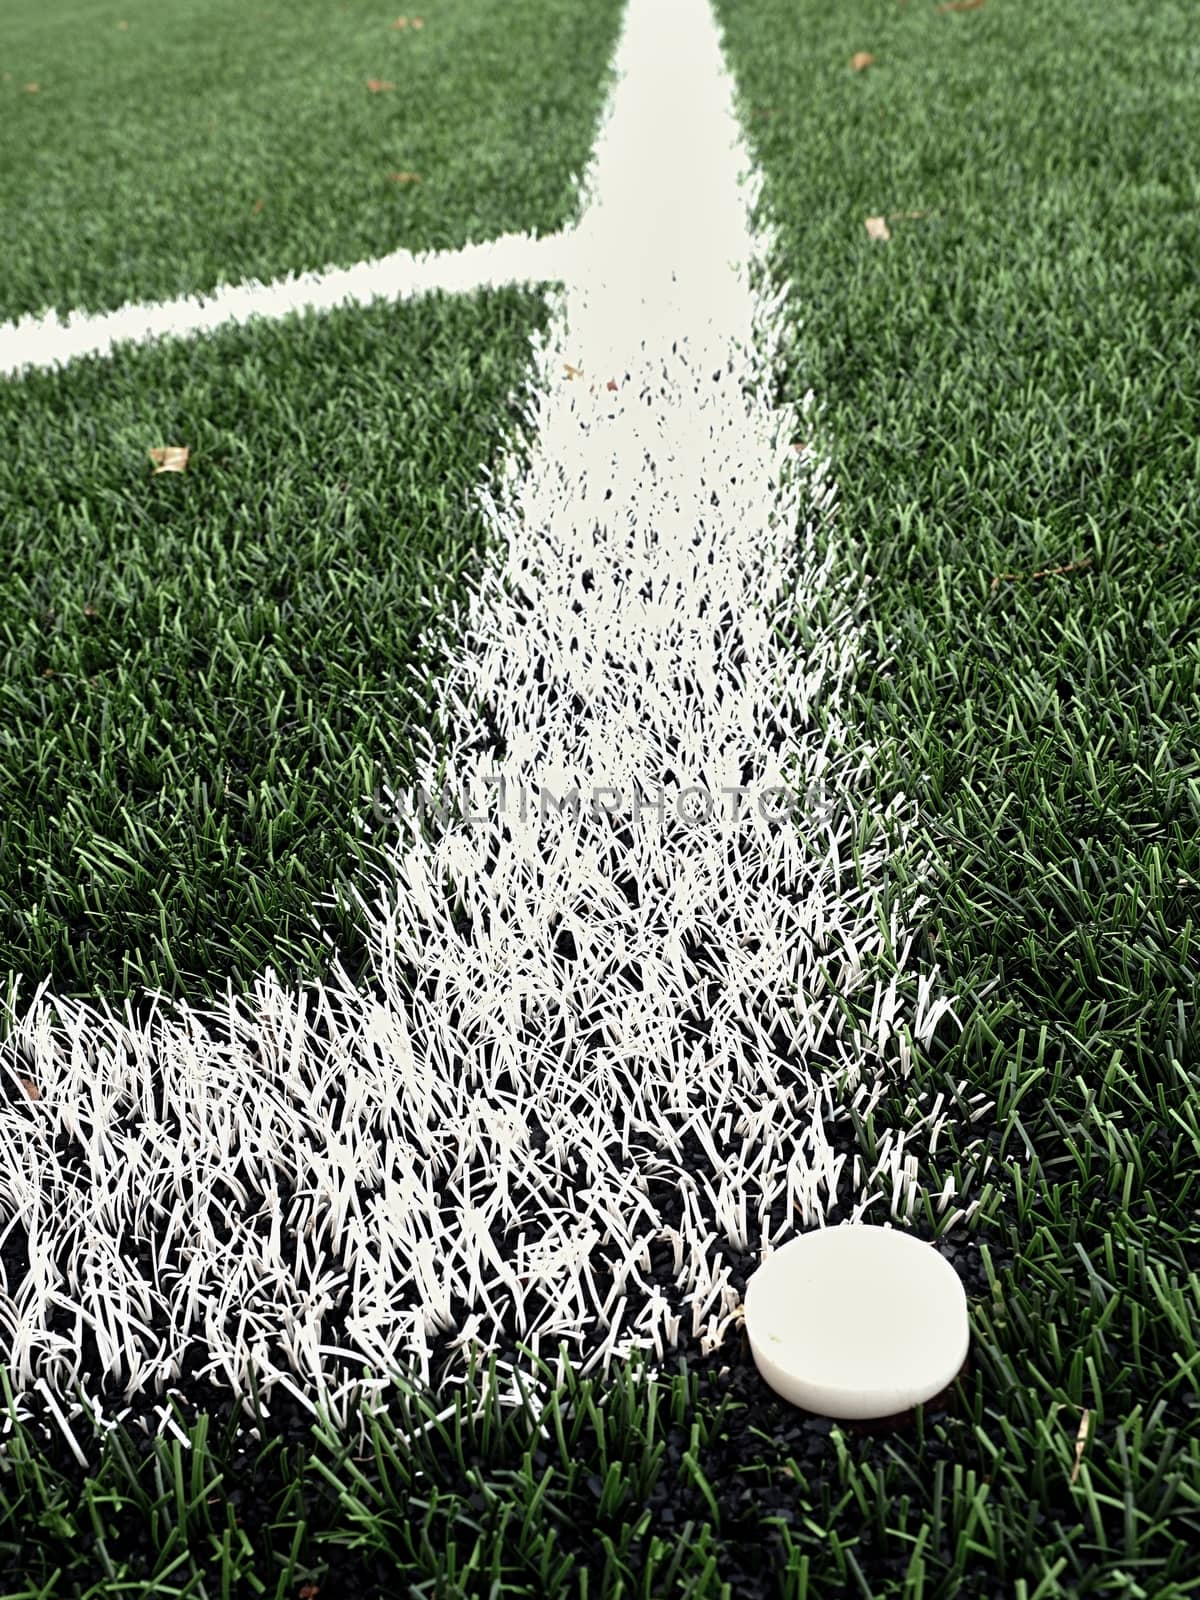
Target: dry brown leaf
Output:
{"points": [[1045, 572], [30, 1088], [32, 88], [170, 458], [377, 85], [400, 22], [961, 5], [878, 228], [612, 384], [404, 177], [256, 207], [572, 372], [1080, 1441], [861, 60], [418, 22]]}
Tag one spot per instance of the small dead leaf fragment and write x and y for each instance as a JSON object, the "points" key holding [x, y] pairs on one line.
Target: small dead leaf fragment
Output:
{"points": [[612, 384], [1044, 572], [170, 458], [419, 23], [960, 5], [404, 177], [573, 372], [400, 22], [861, 60], [124, 27], [877, 228], [90, 611], [32, 88], [1081, 1439], [377, 85], [256, 207], [30, 1088]]}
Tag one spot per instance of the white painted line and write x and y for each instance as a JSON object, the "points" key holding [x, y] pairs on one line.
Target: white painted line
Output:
{"points": [[508, 1142], [40, 343]]}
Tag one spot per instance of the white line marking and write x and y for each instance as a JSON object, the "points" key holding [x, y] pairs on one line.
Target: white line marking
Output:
{"points": [[40, 343], [627, 640]]}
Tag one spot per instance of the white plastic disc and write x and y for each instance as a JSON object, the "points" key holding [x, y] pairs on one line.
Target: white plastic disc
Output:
{"points": [[857, 1321]]}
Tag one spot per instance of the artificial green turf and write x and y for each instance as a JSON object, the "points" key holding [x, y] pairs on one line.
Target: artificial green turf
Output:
{"points": [[1009, 387], [217, 142], [204, 676]]}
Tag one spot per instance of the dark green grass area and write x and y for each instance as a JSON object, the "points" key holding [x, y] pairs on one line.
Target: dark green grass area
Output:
{"points": [[217, 141], [204, 676], [1010, 385]]}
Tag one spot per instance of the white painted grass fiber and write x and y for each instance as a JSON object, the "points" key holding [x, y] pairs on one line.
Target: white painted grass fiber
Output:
{"points": [[679, 493], [40, 343]]}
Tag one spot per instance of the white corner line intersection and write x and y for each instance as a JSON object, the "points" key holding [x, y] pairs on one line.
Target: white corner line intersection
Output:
{"points": [[40, 343]]}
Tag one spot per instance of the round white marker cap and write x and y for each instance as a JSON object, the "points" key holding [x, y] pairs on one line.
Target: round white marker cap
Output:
{"points": [[857, 1321]]}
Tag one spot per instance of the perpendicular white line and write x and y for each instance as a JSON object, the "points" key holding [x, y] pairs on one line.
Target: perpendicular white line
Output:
{"points": [[40, 343]]}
